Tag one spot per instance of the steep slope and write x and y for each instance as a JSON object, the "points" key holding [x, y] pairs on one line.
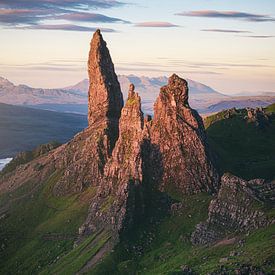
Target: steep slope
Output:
{"points": [[23, 128], [243, 146], [71, 173], [114, 155]]}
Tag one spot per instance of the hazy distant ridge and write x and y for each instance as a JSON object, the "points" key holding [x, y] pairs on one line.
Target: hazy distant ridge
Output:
{"points": [[73, 99]]}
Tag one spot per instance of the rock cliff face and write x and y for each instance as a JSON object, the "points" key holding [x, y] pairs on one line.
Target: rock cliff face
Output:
{"points": [[168, 151], [237, 208], [178, 133]]}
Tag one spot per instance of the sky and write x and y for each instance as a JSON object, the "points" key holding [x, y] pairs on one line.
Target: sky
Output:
{"points": [[228, 45]]}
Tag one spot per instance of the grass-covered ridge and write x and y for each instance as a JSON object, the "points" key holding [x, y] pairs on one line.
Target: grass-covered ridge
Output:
{"points": [[270, 108], [240, 146]]}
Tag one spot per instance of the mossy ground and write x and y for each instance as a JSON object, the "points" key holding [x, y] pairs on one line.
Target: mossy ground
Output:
{"points": [[38, 227]]}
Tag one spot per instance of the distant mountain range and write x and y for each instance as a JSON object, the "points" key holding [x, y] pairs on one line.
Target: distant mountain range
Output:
{"points": [[25, 95], [201, 96], [73, 99]]}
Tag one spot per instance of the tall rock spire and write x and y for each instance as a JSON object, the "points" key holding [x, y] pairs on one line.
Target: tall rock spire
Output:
{"points": [[105, 98], [123, 176], [85, 167]]}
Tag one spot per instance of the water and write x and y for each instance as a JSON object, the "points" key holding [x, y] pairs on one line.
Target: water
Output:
{"points": [[3, 162]]}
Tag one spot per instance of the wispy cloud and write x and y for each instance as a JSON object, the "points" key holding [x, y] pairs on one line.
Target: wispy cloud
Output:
{"points": [[214, 65], [224, 31], [229, 15], [25, 13], [66, 27], [63, 4], [90, 17], [259, 36], [155, 25]]}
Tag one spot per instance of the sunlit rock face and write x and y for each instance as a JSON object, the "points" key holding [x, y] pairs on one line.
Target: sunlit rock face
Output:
{"points": [[105, 99], [178, 133]]}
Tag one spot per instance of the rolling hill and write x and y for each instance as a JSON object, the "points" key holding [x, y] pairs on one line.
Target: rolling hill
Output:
{"points": [[241, 146]]}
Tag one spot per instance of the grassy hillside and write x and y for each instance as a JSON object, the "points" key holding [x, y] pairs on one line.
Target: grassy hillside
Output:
{"points": [[37, 237], [241, 147], [38, 230], [23, 128]]}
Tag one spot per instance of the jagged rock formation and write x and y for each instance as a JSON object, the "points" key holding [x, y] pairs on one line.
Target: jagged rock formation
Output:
{"points": [[170, 150], [81, 161], [120, 195], [85, 166], [178, 133], [123, 156], [237, 208]]}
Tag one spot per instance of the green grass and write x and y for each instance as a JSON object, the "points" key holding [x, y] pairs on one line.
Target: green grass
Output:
{"points": [[78, 256], [39, 227], [270, 108], [131, 101], [171, 248]]}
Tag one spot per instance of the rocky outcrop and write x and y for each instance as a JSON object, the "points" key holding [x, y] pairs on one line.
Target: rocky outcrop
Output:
{"points": [[237, 208], [168, 151], [121, 154], [258, 117], [119, 201], [80, 163], [178, 133]]}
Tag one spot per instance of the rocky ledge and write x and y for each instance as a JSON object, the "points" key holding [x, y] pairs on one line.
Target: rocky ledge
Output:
{"points": [[237, 208]]}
